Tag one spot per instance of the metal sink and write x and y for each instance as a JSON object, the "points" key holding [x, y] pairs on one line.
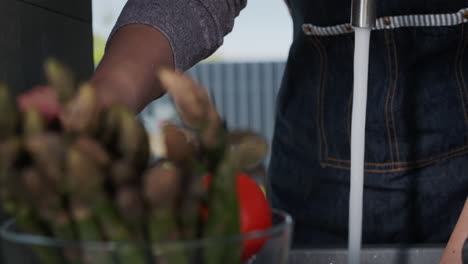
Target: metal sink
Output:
{"points": [[426, 254]]}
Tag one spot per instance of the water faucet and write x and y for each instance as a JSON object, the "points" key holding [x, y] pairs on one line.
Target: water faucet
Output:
{"points": [[363, 20], [363, 13]]}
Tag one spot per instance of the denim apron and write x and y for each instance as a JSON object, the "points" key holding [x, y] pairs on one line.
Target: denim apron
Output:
{"points": [[416, 179]]}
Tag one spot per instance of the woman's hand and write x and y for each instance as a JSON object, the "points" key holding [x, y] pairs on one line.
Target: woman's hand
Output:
{"points": [[453, 251], [44, 100], [126, 74]]}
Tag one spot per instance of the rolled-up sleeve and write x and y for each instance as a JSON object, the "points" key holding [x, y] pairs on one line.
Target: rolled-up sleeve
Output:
{"points": [[194, 28]]}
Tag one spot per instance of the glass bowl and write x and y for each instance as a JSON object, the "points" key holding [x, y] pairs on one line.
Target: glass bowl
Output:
{"points": [[271, 247]]}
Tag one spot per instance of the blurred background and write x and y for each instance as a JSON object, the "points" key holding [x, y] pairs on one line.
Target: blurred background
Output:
{"points": [[243, 76]]}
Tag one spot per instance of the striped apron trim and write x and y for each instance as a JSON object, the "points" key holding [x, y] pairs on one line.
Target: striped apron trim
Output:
{"points": [[392, 22]]}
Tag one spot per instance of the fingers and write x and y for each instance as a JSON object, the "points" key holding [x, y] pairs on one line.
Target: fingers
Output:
{"points": [[43, 99]]}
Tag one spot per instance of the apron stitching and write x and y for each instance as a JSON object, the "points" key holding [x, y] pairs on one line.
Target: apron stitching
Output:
{"points": [[405, 163], [322, 95], [457, 74], [460, 66], [400, 169], [387, 97], [318, 117], [392, 104]]}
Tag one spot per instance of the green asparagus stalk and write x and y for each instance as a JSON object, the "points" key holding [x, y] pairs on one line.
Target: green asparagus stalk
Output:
{"points": [[244, 150], [161, 190], [46, 191], [193, 102], [128, 198], [10, 151], [48, 202], [47, 151], [29, 222], [121, 131], [51, 208], [198, 112], [86, 179], [247, 149], [9, 117], [32, 123], [88, 229], [83, 180], [93, 150], [87, 226], [61, 79], [223, 218], [189, 206], [82, 112], [132, 146], [123, 173], [14, 199], [133, 141], [182, 150], [117, 230], [123, 134], [110, 126], [131, 209]]}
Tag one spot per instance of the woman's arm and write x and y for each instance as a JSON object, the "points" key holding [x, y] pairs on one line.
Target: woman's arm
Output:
{"points": [[452, 253], [150, 35], [127, 73]]}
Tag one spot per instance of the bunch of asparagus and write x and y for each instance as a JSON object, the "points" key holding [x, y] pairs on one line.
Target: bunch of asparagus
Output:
{"points": [[88, 179]]}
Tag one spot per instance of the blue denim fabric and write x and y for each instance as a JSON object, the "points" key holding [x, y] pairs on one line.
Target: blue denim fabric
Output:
{"points": [[416, 178]]}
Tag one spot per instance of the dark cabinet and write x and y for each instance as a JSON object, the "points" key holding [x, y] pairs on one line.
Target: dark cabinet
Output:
{"points": [[32, 30]]}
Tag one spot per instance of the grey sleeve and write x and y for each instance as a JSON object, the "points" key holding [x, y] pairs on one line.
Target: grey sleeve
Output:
{"points": [[194, 28]]}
